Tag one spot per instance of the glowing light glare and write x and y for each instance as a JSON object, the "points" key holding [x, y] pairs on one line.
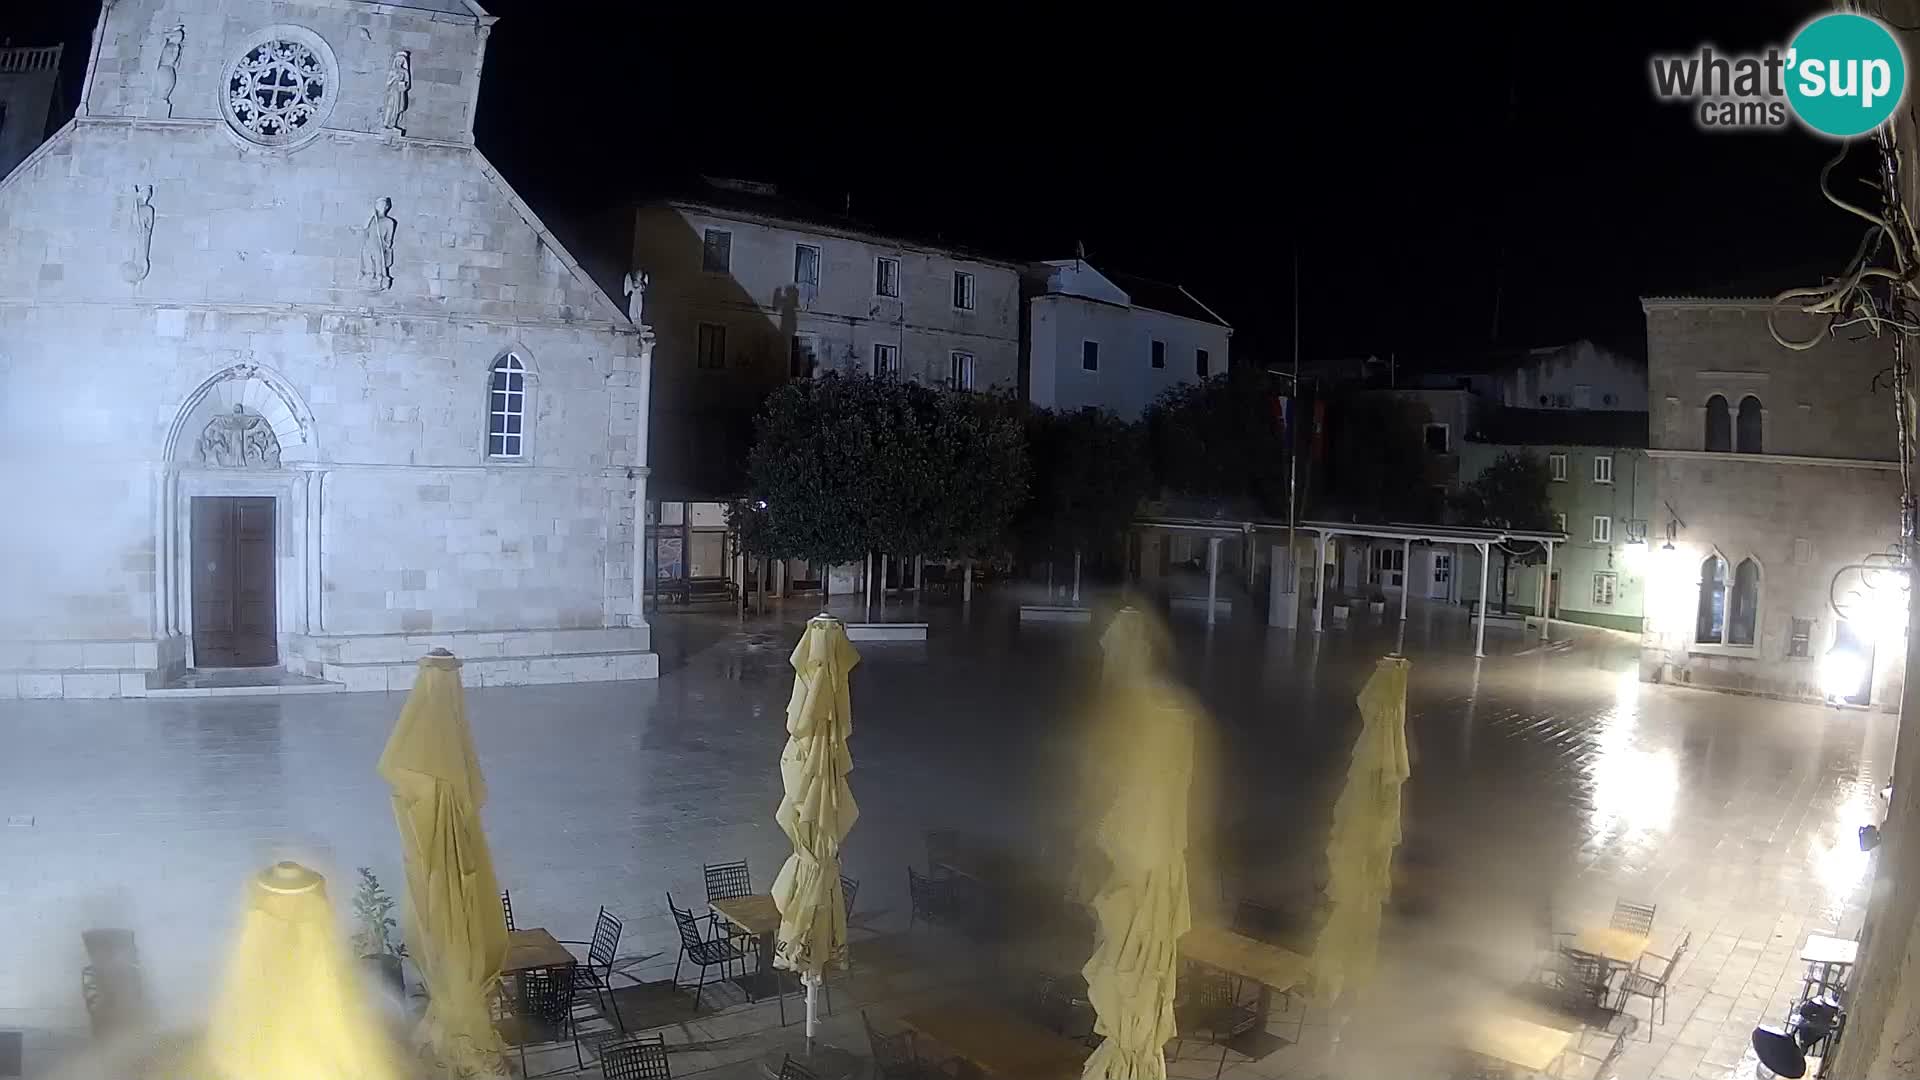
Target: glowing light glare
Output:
{"points": [[1634, 791], [1841, 672], [1670, 590], [1637, 557]]}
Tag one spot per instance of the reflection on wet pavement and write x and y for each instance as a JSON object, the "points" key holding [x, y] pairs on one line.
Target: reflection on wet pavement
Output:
{"points": [[1547, 784]]}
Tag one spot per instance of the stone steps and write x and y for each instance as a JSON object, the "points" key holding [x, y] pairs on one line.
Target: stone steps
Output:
{"points": [[498, 671], [31, 683]]}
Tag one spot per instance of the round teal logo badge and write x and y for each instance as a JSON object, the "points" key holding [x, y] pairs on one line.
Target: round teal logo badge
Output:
{"points": [[1846, 74]]}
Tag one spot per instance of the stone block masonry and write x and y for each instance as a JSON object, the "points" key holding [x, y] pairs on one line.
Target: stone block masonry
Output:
{"points": [[344, 301]]}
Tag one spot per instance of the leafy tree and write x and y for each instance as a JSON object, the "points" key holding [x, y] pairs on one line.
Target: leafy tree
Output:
{"points": [[1090, 472], [1220, 437], [1511, 493], [1380, 467], [846, 465]]}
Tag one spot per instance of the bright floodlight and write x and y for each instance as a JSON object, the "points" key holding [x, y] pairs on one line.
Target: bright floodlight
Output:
{"points": [[1842, 671]]}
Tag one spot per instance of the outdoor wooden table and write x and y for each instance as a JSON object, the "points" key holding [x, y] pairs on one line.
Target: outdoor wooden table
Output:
{"points": [[756, 915], [1623, 948], [534, 949], [1269, 965], [1513, 1041], [1275, 970], [998, 1041], [1828, 961]]}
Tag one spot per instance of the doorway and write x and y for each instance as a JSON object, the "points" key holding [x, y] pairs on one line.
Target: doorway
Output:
{"points": [[233, 581]]}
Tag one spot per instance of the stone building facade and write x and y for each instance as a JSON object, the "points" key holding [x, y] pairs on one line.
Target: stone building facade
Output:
{"points": [[1779, 496], [1113, 342], [746, 291], [29, 95], [290, 376]]}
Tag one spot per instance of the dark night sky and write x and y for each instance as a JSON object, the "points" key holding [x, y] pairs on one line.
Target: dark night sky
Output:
{"points": [[1414, 159]]}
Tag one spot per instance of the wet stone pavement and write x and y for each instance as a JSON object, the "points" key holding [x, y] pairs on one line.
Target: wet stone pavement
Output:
{"points": [[1545, 779]]}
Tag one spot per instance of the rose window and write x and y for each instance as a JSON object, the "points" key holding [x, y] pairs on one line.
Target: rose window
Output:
{"points": [[278, 91]]}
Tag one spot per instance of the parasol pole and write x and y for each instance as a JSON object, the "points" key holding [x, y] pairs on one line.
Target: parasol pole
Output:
{"points": [[813, 990]]}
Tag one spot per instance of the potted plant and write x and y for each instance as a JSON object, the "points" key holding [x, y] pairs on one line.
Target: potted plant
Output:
{"points": [[373, 941], [1377, 603], [1338, 601]]}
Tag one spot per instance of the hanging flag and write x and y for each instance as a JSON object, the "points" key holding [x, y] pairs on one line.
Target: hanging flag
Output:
{"points": [[1319, 430]]}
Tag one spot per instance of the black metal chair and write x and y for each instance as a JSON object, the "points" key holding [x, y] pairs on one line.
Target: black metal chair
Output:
{"points": [[849, 888], [943, 848], [724, 882], [1054, 1007], [642, 1058], [1581, 980], [793, 1070], [1212, 1009], [111, 983], [1636, 918], [894, 1056], [1654, 987], [538, 1011], [930, 900], [596, 975], [727, 880], [706, 952], [506, 907]]}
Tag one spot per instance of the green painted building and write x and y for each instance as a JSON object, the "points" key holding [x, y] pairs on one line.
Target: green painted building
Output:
{"points": [[1602, 495]]}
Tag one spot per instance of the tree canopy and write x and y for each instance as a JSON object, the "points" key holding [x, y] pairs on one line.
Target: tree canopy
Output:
{"points": [[845, 465], [1380, 467], [1220, 437], [1090, 472]]}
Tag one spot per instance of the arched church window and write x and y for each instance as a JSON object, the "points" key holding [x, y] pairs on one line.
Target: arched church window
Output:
{"points": [[507, 408]]}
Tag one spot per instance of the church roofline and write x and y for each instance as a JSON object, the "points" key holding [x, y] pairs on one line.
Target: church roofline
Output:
{"points": [[611, 309]]}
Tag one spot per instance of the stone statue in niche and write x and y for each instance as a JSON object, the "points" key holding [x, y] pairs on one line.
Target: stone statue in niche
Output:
{"points": [[140, 244], [241, 440], [635, 286], [376, 247], [399, 82], [166, 74]]}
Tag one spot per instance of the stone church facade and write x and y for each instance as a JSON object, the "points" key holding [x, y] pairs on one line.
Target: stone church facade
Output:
{"points": [[290, 376]]}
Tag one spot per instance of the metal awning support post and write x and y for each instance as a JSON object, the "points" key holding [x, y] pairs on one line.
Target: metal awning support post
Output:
{"points": [[1406, 575], [1546, 595], [1076, 575], [1320, 583], [1213, 574], [1480, 634]]}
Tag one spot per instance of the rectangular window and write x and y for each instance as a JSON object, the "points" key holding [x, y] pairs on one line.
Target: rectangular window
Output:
{"points": [[1802, 551], [806, 265], [804, 359], [1800, 639], [1557, 466], [1159, 354], [886, 277], [1090, 355], [713, 347], [1602, 529], [1603, 468], [960, 371], [1438, 441], [1202, 366], [886, 361], [716, 253], [1603, 585], [1560, 523], [963, 290]]}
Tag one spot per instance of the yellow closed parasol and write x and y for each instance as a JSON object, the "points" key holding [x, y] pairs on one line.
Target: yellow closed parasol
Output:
{"points": [[1366, 829], [1146, 731], [457, 930], [817, 810], [291, 1007]]}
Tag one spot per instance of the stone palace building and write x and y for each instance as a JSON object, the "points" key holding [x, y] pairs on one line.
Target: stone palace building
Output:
{"points": [[290, 377]]}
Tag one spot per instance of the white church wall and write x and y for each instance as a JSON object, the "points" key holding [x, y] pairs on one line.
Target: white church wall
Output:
{"points": [[393, 525]]}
